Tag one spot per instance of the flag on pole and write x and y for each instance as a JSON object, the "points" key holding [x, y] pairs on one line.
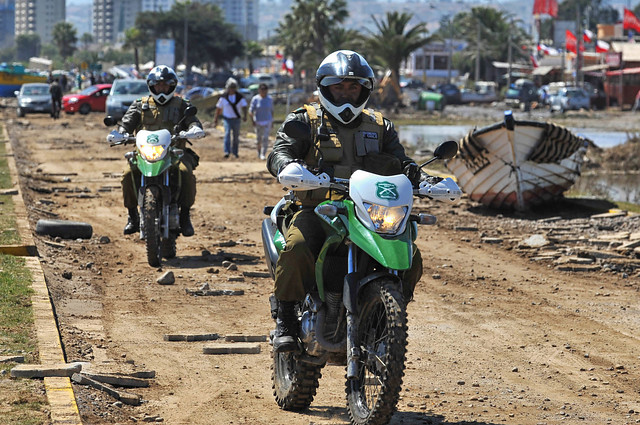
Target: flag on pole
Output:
{"points": [[548, 50], [289, 66], [534, 62], [571, 42], [549, 7], [630, 21], [279, 55], [602, 46], [587, 36]]}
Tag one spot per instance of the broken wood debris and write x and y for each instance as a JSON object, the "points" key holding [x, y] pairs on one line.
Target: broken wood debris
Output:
{"points": [[191, 337], [214, 292]]}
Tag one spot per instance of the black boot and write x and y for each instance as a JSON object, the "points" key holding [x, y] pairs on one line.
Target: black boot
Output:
{"points": [[286, 337], [133, 223], [185, 222]]}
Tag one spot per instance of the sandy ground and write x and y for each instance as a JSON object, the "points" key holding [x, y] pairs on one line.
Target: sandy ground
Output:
{"points": [[494, 337]]}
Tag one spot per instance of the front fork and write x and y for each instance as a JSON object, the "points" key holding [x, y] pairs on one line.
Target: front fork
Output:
{"points": [[350, 297]]}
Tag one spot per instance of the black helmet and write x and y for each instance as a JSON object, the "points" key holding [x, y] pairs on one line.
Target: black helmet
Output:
{"points": [[158, 74], [344, 65]]}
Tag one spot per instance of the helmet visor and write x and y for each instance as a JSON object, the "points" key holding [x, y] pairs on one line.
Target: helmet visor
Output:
{"points": [[329, 81]]}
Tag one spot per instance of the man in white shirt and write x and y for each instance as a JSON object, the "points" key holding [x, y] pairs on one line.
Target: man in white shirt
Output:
{"points": [[229, 106]]}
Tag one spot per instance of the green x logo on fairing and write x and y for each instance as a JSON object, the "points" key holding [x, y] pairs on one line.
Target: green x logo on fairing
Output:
{"points": [[152, 139], [387, 190]]}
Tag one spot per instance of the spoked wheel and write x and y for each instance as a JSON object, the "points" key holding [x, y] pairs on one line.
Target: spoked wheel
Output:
{"points": [[294, 382], [152, 208], [382, 338]]}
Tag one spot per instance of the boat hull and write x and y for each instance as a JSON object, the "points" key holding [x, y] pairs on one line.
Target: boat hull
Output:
{"points": [[11, 82], [518, 166]]}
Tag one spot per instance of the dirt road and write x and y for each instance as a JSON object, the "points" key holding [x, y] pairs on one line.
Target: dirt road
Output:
{"points": [[494, 337]]}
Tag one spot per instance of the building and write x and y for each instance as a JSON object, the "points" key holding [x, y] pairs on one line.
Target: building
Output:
{"points": [[7, 22], [432, 63], [38, 16], [157, 5], [111, 18], [243, 14]]}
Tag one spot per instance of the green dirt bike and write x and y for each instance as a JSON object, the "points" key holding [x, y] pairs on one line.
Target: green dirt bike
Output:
{"points": [[159, 189], [356, 314]]}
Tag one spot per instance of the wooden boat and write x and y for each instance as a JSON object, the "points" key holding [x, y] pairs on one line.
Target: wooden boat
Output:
{"points": [[518, 164], [12, 77]]}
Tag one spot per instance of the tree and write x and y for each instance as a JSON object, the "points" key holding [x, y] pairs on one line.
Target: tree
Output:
{"points": [[252, 49], [64, 37], [488, 33], [134, 39], [596, 11], [209, 38], [350, 39], [304, 32], [394, 42], [86, 39], [27, 45]]}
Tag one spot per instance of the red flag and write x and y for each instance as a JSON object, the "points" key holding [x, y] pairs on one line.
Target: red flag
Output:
{"points": [[602, 46], [550, 7], [534, 62], [587, 36], [630, 21], [571, 42], [279, 55]]}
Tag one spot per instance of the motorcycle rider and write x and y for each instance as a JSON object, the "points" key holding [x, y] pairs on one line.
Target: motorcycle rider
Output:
{"points": [[345, 137], [161, 109]]}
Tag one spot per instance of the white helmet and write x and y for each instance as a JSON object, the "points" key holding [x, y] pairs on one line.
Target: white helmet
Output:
{"points": [[158, 74], [344, 65]]}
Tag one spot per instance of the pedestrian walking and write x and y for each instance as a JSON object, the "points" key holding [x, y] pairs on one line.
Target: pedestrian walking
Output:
{"points": [[261, 110], [56, 98], [229, 106]]}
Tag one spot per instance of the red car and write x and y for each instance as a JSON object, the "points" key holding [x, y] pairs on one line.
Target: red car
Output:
{"points": [[90, 99]]}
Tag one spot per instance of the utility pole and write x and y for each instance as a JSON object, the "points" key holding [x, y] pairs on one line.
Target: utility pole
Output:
{"points": [[477, 73], [186, 42], [579, 55], [450, 49], [510, 59]]}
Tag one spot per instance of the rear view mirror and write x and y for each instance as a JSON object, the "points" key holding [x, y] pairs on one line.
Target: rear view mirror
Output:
{"points": [[446, 150], [110, 121]]}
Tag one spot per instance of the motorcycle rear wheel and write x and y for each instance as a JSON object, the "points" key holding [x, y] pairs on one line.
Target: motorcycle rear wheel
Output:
{"points": [[382, 336], [294, 382], [152, 208]]}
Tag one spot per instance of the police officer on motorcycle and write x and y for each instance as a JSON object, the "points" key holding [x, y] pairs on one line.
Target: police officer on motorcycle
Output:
{"points": [[162, 110], [344, 137]]}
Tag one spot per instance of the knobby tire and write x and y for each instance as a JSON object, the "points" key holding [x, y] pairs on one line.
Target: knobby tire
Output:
{"points": [[152, 207], [294, 382], [382, 337]]}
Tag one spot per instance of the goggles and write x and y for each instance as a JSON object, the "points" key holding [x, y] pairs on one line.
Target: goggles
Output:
{"points": [[329, 81]]}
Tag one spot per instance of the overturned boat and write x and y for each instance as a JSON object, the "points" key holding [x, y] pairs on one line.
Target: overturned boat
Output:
{"points": [[518, 164]]}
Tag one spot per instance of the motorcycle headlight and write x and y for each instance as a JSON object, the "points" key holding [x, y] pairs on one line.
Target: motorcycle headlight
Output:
{"points": [[151, 153], [386, 219]]}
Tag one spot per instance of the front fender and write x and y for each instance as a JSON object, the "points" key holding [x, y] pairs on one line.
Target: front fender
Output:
{"points": [[151, 169]]}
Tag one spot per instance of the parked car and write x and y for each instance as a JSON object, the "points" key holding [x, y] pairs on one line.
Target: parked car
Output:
{"points": [[521, 94], [123, 93], [569, 98], [217, 79], [451, 93], [33, 97], [93, 98], [198, 92], [482, 92]]}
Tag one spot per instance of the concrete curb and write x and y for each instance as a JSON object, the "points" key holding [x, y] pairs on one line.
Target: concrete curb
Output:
{"points": [[62, 401]]}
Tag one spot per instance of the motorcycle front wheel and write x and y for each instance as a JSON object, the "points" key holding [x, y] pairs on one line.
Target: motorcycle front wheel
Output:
{"points": [[294, 382], [151, 219], [382, 338]]}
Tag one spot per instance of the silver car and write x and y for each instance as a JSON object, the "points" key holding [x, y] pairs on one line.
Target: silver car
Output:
{"points": [[122, 94], [33, 97], [569, 98]]}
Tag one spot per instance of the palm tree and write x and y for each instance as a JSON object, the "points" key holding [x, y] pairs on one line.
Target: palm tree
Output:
{"points": [[86, 39], [342, 38], [488, 33], [305, 31], [134, 39], [252, 49], [394, 42], [65, 39]]}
